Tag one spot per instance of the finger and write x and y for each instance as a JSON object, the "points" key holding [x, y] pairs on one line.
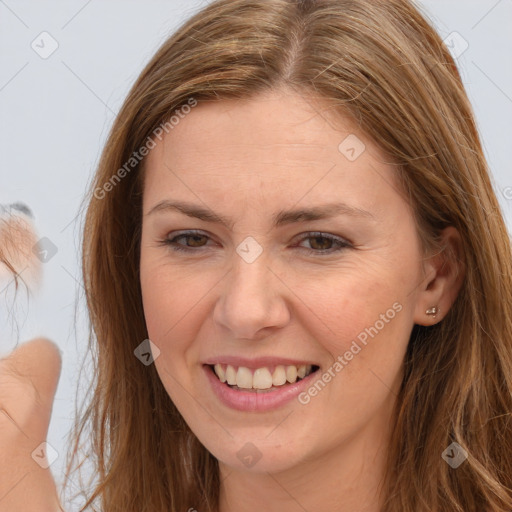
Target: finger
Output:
{"points": [[39, 361]]}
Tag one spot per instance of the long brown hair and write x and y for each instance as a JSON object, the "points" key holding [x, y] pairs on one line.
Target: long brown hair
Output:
{"points": [[382, 64]]}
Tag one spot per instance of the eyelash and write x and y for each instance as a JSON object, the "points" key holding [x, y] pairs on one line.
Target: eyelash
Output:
{"points": [[342, 244]]}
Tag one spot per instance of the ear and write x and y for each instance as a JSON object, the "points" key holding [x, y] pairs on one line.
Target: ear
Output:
{"points": [[444, 274]]}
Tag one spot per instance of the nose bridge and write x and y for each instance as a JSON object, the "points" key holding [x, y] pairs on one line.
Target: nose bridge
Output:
{"points": [[250, 299], [250, 273]]}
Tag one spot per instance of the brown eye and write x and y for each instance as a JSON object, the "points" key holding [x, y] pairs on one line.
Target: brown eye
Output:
{"points": [[192, 240], [320, 242], [323, 243], [196, 240]]}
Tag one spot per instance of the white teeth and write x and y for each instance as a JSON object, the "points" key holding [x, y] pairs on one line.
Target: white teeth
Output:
{"points": [[261, 378], [220, 372], [231, 375], [291, 373], [279, 376], [244, 377]]}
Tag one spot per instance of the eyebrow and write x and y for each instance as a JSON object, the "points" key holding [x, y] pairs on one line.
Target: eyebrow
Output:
{"points": [[280, 218]]}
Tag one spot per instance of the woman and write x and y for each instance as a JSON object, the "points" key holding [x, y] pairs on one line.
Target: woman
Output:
{"points": [[294, 207]]}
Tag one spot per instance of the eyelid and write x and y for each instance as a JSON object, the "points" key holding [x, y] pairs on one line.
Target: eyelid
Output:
{"points": [[325, 234], [168, 240], [341, 242]]}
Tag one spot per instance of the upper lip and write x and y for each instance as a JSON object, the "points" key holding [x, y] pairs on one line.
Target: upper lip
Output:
{"points": [[257, 362]]}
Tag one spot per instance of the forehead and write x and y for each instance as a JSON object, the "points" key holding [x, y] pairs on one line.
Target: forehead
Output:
{"points": [[277, 145], [278, 123]]}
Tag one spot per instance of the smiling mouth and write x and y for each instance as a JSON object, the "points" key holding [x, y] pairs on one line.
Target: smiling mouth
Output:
{"points": [[261, 380]]}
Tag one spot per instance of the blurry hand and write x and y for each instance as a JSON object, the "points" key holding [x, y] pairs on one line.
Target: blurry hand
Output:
{"points": [[28, 381]]}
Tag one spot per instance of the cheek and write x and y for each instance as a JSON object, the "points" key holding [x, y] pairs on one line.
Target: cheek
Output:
{"points": [[363, 319], [164, 300], [364, 323], [343, 304], [156, 300], [175, 303], [167, 312]]}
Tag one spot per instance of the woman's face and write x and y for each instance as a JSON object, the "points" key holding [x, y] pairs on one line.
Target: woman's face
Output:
{"points": [[317, 263]]}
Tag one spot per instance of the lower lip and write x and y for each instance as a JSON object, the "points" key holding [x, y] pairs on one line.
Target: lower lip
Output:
{"points": [[253, 401]]}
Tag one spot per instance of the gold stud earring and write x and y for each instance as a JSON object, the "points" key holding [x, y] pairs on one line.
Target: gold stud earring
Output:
{"points": [[433, 311]]}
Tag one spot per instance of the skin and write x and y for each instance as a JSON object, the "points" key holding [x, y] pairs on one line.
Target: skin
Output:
{"points": [[28, 381], [247, 160]]}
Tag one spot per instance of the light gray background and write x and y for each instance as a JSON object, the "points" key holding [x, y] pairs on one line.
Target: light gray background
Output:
{"points": [[56, 112]]}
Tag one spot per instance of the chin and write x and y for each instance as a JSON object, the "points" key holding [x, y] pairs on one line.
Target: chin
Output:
{"points": [[256, 453]]}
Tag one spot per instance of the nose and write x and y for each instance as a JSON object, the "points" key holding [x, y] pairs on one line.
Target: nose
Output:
{"points": [[253, 300]]}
